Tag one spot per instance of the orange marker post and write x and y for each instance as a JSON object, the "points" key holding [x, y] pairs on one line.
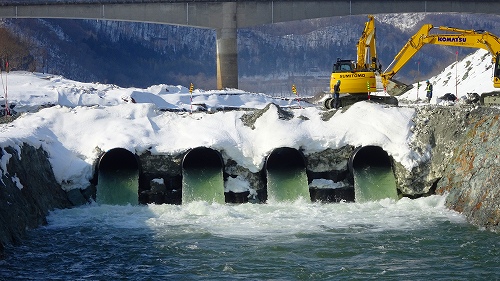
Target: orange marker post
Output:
{"points": [[191, 88], [294, 91]]}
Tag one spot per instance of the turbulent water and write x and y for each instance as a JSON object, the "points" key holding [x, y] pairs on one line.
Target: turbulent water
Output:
{"points": [[390, 240]]}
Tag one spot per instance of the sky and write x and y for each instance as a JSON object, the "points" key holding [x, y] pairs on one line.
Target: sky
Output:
{"points": [[77, 120]]}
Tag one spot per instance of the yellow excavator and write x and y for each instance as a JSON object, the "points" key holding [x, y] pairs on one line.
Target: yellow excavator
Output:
{"points": [[358, 78], [460, 38]]}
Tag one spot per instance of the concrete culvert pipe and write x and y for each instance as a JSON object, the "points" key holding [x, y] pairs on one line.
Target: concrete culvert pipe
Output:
{"points": [[202, 157], [372, 156], [202, 176], [285, 158], [118, 158], [286, 176], [118, 178], [373, 176]]}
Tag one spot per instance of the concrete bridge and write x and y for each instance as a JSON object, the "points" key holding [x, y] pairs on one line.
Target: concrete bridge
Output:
{"points": [[227, 16]]}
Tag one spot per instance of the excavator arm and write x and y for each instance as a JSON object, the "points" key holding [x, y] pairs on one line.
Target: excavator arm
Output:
{"points": [[461, 38], [366, 50]]}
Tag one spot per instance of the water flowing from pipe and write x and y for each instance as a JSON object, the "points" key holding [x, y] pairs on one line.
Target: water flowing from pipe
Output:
{"points": [[372, 183], [287, 185], [118, 187], [202, 184]]}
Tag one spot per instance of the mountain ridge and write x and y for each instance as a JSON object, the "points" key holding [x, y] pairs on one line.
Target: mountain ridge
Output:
{"points": [[142, 54]]}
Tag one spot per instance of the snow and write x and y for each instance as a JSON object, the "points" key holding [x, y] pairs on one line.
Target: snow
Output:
{"points": [[238, 185], [17, 181], [404, 21], [78, 120], [473, 74], [4, 161], [158, 181], [325, 184]]}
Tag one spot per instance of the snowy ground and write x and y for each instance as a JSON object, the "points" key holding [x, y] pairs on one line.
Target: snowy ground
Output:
{"points": [[473, 74], [78, 118]]}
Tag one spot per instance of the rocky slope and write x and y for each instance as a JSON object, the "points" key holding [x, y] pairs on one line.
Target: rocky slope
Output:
{"points": [[472, 177], [436, 132], [462, 147], [28, 191]]}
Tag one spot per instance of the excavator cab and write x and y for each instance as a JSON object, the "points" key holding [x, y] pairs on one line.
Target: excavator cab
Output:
{"points": [[493, 97], [343, 66], [354, 81], [496, 72]]}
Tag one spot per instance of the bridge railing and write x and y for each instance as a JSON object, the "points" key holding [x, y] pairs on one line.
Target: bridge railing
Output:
{"points": [[64, 2], [58, 2]]}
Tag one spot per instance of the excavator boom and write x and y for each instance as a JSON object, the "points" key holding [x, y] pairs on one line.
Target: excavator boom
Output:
{"points": [[366, 50], [461, 38]]}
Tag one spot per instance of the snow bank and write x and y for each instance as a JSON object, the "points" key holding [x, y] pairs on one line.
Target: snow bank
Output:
{"points": [[89, 116], [473, 74]]}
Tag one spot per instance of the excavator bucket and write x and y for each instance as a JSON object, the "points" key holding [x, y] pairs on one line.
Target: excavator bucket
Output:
{"points": [[396, 88]]}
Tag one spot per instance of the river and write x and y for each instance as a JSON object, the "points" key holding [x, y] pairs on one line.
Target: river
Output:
{"points": [[391, 240]]}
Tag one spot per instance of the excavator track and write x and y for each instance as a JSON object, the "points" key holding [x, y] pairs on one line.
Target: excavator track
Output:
{"points": [[347, 100], [490, 98]]}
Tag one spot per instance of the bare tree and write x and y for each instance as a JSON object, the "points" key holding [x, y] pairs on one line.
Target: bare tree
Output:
{"points": [[13, 50]]}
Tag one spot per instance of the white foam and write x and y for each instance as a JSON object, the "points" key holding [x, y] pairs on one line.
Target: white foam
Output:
{"points": [[257, 221]]}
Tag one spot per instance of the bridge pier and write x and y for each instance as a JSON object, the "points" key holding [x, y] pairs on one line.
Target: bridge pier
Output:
{"points": [[227, 48]]}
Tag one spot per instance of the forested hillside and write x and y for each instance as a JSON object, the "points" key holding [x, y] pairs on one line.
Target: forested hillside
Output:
{"points": [[270, 56]]}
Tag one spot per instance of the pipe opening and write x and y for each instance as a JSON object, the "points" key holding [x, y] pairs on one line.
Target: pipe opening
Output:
{"points": [[285, 158], [202, 157], [286, 175], [118, 178], [202, 176], [118, 158], [369, 156]]}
